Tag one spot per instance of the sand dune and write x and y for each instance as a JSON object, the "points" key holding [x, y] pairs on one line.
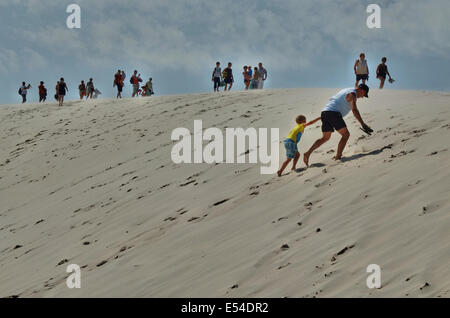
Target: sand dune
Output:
{"points": [[93, 184]]}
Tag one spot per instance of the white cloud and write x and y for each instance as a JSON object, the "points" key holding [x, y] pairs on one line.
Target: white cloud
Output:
{"points": [[285, 33], [24, 60]]}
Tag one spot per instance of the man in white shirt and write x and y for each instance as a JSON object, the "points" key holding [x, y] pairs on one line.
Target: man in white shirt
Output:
{"points": [[361, 70], [217, 77], [23, 92], [263, 73], [333, 115]]}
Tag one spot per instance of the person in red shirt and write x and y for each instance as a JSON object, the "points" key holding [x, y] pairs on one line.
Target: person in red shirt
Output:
{"points": [[42, 92], [118, 81], [135, 80]]}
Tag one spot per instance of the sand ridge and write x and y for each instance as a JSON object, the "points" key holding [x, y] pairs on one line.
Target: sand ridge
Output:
{"points": [[93, 184]]}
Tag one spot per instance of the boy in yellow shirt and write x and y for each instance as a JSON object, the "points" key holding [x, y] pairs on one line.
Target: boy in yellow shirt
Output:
{"points": [[291, 141]]}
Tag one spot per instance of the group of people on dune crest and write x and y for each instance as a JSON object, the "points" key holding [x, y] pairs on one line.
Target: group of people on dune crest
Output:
{"points": [[253, 78], [89, 91]]}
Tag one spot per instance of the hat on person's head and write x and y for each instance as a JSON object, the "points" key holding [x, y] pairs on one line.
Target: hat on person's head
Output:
{"points": [[366, 88]]}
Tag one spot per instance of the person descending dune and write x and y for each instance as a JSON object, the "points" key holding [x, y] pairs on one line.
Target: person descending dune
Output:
{"points": [[82, 90], [333, 118], [90, 89], [382, 71]]}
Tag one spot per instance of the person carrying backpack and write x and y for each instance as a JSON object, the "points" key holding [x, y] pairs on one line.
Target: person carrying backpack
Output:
{"points": [[118, 81], [23, 92], [62, 89], [135, 80], [42, 92]]}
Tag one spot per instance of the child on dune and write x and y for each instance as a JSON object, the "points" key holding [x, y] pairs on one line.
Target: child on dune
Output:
{"points": [[292, 140]]}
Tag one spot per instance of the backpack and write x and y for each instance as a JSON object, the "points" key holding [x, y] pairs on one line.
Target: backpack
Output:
{"points": [[20, 91], [131, 80]]}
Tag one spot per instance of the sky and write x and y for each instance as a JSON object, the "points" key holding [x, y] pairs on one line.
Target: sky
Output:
{"points": [[302, 43]]}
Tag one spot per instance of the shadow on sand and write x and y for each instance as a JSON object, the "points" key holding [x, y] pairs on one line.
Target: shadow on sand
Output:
{"points": [[362, 155], [314, 165]]}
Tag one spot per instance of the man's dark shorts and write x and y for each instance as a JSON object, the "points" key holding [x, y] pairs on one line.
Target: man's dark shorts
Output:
{"points": [[332, 121], [360, 77], [228, 80]]}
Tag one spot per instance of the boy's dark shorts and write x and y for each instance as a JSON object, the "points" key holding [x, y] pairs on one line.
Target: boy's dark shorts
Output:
{"points": [[228, 80], [360, 77], [332, 121]]}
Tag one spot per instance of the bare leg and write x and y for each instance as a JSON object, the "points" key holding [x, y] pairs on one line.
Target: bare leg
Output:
{"points": [[285, 164], [382, 82], [294, 164], [345, 136], [317, 144]]}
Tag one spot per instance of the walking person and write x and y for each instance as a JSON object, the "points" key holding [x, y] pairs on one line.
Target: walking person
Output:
{"points": [[135, 80], [382, 71], [333, 119], [228, 77], [217, 77], [23, 92], [247, 77], [82, 90], [361, 70], [90, 89], [149, 86], [42, 92], [263, 76], [62, 89], [255, 79], [56, 90], [118, 81]]}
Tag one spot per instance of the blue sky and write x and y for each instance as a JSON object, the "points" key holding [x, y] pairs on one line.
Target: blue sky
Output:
{"points": [[302, 43]]}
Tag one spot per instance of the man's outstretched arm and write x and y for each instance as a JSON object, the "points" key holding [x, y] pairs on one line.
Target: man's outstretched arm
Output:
{"points": [[312, 122]]}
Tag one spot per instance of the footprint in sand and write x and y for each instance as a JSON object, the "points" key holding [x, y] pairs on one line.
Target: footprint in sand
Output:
{"points": [[436, 152], [341, 252], [429, 208]]}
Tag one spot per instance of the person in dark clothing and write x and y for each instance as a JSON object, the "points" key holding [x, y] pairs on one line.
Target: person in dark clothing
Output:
{"points": [[382, 71], [42, 92], [62, 89], [228, 77], [118, 81], [90, 89]]}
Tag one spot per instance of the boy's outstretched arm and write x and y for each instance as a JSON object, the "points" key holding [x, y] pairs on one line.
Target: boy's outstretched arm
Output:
{"points": [[312, 122]]}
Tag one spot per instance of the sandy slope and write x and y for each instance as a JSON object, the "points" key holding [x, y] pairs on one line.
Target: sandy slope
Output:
{"points": [[94, 182]]}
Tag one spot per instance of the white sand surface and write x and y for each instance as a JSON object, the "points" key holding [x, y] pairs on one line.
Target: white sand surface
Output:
{"points": [[94, 182]]}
